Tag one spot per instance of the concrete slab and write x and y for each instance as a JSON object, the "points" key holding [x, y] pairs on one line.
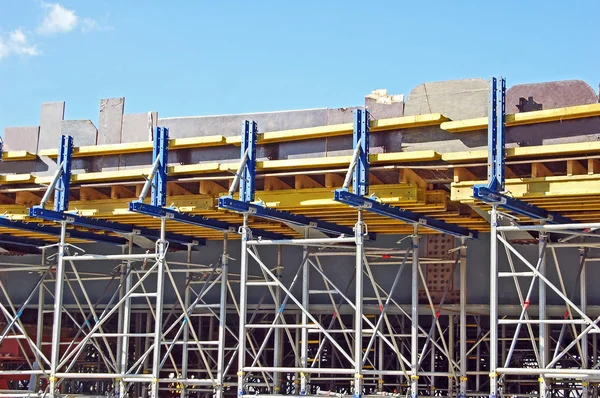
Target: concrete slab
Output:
{"points": [[456, 99], [51, 117], [111, 120], [549, 95], [138, 127], [21, 138], [382, 105], [84, 132]]}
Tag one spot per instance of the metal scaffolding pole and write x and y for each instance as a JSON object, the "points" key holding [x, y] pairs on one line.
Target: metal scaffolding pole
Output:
{"points": [[304, 330], [222, 320], [243, 304], [358, 314], [451, 352], [277, 338], [584, 338], [493, 302], [126, 320], [463, 318], [161, 252], [543, 328], [414, 340], [57, 313], [187, 297]]}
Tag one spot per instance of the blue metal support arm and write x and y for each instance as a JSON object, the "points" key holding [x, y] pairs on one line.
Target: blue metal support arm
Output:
{"points": [[485, 194], [199, 221], [239, 206], [409, 217], [116, 227]]}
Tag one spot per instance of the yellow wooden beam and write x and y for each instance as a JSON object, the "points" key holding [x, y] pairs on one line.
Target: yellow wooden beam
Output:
{"points": [[11, 156], [403, 122], [553, 186], [529, 152], [137, 147], [516, 119]]}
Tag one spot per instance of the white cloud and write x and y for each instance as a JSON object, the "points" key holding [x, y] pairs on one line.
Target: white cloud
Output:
{"points": [[58, 19], [16, 43]]}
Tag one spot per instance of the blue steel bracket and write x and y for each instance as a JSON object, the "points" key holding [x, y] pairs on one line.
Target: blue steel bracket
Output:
{"points": [[396, 213], [63, 186], [199, 221], [496, 133], [360, 183], [248, 175], [1, 148], [95, 223], [160, 151], [239, 206], [485, 194]]}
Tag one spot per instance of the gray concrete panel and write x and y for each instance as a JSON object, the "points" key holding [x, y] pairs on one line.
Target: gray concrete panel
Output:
{"points": [[84, 132], [137, 127], [21, 138], [51, 118], [111, 120], [551, 95]]}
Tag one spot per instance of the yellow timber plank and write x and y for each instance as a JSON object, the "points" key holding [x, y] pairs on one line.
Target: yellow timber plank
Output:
{"points": [[10, 156], [403, 122], [551, 186], [544, 116], [16, 178], [531, 151], [136, 147]]}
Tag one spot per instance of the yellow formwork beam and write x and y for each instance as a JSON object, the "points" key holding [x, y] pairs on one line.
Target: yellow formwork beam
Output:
{"points": [[516, 119], [553, 186], [403, 122], [137, 147], [526, 152], [11, 156]]}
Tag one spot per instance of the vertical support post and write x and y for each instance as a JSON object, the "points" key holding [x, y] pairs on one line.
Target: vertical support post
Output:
{"points": [[358, 313], [124, 353], [381, 363], [186, 329], [584, 338], [478, 356], [160, 280], [304, 330], [159, 180], [503, 344], [463, 317], [248, 177], [414, 346], [222, 318], [501, 139], [543, 328], [451, 354], [432, 360], [57, 313], [40, 322], [360, 182], [492, 133], [243, 304], [63, 185], [494, 303], [277, 339]]}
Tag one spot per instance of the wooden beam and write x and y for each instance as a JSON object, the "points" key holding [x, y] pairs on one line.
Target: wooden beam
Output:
{"points": [[208, 187], [27, 198], [539, 169], [303, 181], [6, 200], [333, 180], [575, 168], [407, 176], [509, 172], [120, 191], [87, 193], [275, 184], [593, 166], [463, 174], [374, 180], [174, 189]]}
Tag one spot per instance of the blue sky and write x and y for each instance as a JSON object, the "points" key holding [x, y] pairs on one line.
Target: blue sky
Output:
{"points": [[187, 58]]}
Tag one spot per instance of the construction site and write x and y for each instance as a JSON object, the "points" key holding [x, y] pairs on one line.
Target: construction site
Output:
{"points": [[440, 242]]}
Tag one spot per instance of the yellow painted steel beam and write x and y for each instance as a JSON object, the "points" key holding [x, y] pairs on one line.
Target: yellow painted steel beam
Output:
{"points": [[555, 150], [553, 186], [11, 156], [544, 116], [403, 122], [136, 147]]}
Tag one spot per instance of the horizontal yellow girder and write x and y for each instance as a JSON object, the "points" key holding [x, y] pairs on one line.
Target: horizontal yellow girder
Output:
{"points": [[136, 147], [403, 122], [553, 186], [544, 116], [530, 151], [11, 156]]}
